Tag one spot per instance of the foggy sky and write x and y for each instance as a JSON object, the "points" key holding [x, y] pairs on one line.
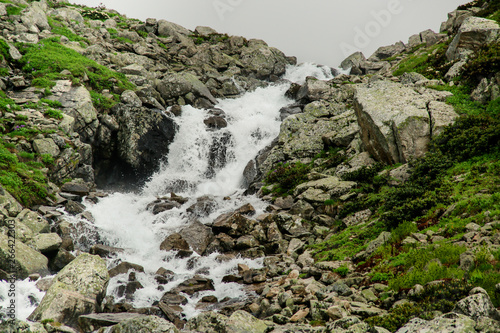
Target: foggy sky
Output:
{"points": [[320, 31]]}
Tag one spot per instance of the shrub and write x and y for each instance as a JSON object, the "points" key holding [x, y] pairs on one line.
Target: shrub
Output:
{"points": [[52, 113], [287, 176], [484, 63]]}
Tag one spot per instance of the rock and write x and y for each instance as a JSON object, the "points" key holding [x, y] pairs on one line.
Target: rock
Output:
{"points": [[263, 61], [104, 251], [378, 242], [179, 84], [166, 28], [353, 62], [150, 324], [165, 206], [476, 306], [198, 236], [129, 97], [27, 260], [62, 258], [472, 34], [9, 203], [76, 290], [395, 120], [358, 218], [74, 208], [314, 89], [243, 322], [204, 206], [300, 315], [76, 188], [215, 122], [347, 128], [174, 242], [46, 146], [35, 18], [234, 225], [331, 186], [78, 104], [208, 322], [94, 321], [450, 322], [124, 267], [34, 221], [46, 243], [195, 284], [385, 52]]}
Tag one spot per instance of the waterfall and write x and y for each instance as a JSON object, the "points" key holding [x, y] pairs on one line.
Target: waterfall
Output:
{"points": [[201, 162]]}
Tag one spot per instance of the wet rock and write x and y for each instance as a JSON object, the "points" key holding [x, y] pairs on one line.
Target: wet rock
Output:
{"points": [[194, 285], [174, 242], [104, 251], [233, 224], [246, 209], [204, 206], [62, 258], [124, 267], [198, 236], [215, 122], [180, 84], [74, 208], [76, 290]]}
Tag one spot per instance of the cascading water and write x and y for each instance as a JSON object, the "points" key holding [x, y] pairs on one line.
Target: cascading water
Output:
{"points": [[201, 162]]}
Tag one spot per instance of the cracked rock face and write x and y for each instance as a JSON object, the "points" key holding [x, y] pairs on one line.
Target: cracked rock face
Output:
{"points": [[396, 121]]}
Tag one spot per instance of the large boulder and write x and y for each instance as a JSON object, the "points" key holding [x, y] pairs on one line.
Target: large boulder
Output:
{"points": [[396, 122], [450, 322], [243, 322], [473, 33], [198, 236], [76, 290], [476, 306], [77, 103], [179, 84], [150, 324], [26, 260], [262, 61], [35, 18]]}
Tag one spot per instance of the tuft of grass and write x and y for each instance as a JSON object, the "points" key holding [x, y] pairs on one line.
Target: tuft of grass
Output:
{"points": [[287, 176]]}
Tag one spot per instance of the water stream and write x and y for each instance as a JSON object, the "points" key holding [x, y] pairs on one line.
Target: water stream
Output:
{"points": [[201, 162]]}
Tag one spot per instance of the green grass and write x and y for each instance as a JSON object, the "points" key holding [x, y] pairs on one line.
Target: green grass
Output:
{"points": [[48, 58], [52, 113], [25, 182], [430, 62], [15, 10], [286, 176], [59, 28]]}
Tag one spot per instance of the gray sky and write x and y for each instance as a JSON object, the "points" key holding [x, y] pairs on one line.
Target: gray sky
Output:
{"points": [[321, 31]]}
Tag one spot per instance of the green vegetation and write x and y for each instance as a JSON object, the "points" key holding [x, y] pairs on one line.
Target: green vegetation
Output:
{"points": [[212, 38], [48, 58], [4, 50], [286, 176], [52, 113], [102, 102], [431, 62], [24, 181], [59, 28], [15, 9], [484, 63]]}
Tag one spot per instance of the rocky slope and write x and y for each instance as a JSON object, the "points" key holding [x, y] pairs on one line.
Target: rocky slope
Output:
{"points": [[382, 185]]}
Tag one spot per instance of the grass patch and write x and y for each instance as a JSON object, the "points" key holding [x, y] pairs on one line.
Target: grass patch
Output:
{"points": [[25, 182], [431, 62], [48, 58], [286, 176], [59, 28]]}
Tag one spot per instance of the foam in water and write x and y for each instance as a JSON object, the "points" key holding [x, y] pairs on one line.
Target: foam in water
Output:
{"points": [[298, 74], [200, 162], [26, 300]]}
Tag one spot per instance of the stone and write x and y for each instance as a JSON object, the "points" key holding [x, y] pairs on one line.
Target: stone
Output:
{"points": [[347, 128], [358, 218], [450, 322], [472, 34], [195, 284], [92, 322], [198, 236], [215, 122], [208, 322], [46, 146], [104, 251], [27, 260], [174, 242], [300, 315], [353, 62], [75, 188], [378, 242], [35, 18], [129, 97], [395, 120], [46, 243], [9, 203], [180, 84], [476, 306], [76, 290], [62, 258], [243, 322], [385, 52], [124, 267], [234, 224], [330, 186], [150, 324], [262, 61]]}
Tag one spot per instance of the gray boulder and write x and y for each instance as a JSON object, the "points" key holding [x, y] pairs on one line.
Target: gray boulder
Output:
{"points": [[450, 322], [76, 290], [27, 260], [473, 33], [35, 18], [385, 52], [179, 84], [243, 322], [397, 122], [475, 306], [150, 324], [263, 61], [198, 236]]}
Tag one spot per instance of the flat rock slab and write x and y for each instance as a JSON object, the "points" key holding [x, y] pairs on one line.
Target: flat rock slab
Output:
{"points": [[94, 321]]}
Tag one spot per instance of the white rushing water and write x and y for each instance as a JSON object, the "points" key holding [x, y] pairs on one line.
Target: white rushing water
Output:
{"points": [[123, 220]]}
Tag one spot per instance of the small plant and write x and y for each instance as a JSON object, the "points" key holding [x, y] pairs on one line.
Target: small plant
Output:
{"points": [[47, 159], [342, 270], [52, 113], [287, 176]]}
